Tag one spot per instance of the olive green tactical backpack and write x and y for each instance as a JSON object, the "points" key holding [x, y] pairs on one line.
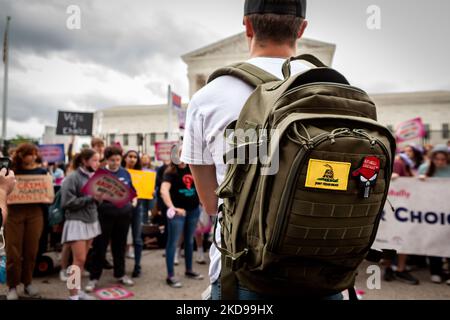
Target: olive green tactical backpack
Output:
{"points": [[301, 223]]}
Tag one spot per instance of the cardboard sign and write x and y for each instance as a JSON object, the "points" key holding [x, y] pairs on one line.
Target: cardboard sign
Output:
{"points": [[163, 149], [420, 224], [410, 130], [52, 152], [32, 189], [74, 123], [114, 293], [113, 190], [143, 182]]}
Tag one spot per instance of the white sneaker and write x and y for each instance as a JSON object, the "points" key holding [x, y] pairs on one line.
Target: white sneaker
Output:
{"points": [[125, 280], [448, 282], [130, 253], [436, 278], [92, 284], [12, 294], [31, 291], [63, 275], [176, 260], [200, 258], [84, 296]]}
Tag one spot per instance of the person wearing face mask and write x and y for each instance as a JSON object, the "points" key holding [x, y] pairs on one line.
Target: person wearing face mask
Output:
{"points": [[114, 223], [23, 228], [81, 225]]}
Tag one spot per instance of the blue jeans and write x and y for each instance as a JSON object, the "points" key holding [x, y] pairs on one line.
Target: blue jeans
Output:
{"points": [[175, 228], [245, 294], [147, 205], [136, 229]]}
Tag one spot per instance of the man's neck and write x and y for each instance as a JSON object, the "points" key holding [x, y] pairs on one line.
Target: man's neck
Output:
{"points": [[271, 50]]}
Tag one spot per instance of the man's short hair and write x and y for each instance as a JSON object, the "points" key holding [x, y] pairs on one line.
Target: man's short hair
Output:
{"points": [[276, 28], [97, 142], [113, 151]]}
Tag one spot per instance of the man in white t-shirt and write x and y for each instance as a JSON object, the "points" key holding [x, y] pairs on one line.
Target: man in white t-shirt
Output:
{"points": [[273, 29]]}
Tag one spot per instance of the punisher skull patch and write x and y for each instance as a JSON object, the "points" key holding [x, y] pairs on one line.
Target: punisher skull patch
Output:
{"points": [[367, 174]]}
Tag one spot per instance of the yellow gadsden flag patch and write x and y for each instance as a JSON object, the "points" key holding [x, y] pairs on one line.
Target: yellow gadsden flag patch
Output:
{"points": [[330, 175]]}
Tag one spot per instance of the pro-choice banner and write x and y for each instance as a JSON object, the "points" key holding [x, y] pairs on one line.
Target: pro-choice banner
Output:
{"points": [[420, 223], [32, 189], [111, 188]]}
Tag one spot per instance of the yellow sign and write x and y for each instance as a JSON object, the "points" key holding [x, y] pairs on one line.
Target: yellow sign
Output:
{"points": [[143, 182], [329, 175]]}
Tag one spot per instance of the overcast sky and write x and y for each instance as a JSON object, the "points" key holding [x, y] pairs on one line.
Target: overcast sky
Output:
{"points": [[127, 52]]}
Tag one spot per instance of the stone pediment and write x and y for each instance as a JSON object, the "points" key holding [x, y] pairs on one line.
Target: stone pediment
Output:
{"points": [[237, 45]]}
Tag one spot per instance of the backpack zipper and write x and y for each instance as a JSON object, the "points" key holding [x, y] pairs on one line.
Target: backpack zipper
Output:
{"points": [[327, 84], [282, 214]]}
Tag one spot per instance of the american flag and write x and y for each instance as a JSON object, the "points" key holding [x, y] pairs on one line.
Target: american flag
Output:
{"points": [[176, 101]]}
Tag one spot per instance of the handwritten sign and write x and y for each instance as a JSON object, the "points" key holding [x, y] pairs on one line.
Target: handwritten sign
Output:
{"points": [[143, 182], [52, 152], [113, 190], [32, 189], [74, 123], [163, 149]]}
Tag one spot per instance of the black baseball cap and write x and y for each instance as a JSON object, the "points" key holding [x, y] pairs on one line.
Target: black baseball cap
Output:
{"points": [[283, 7]]}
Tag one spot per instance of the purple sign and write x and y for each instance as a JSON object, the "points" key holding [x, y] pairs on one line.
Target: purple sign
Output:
{"points": [[52, 153]]}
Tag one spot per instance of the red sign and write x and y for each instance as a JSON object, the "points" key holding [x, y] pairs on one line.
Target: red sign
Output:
{"points": [[112, 189]]}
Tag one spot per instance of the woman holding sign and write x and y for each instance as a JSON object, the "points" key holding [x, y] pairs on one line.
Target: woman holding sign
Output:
{"points": [[114, 221], [24, 227], [81, 225], [438, 167], [180, 196], [132, 161]]}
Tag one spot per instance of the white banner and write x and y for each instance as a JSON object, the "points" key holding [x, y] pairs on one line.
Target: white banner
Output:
{"points": [[421, 222]]}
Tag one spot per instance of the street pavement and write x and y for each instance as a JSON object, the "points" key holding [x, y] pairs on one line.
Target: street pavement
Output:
{"points": [[152, 285]]}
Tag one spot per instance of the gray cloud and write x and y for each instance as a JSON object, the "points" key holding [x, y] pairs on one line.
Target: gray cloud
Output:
{"points": [[111, 35]]}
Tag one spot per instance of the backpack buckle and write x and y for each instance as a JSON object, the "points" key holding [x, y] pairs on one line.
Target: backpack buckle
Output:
{"points": [[235, 262]]}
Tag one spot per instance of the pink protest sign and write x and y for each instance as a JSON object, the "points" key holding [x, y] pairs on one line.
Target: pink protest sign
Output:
{"points": [[410, 130], [163, 149], [114, 293], [113, 190]]}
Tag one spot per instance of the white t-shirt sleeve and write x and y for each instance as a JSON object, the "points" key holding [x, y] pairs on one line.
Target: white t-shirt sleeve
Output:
{"points": [[195, 149]]}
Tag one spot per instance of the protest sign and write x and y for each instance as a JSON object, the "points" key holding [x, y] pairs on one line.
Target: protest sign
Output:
{"points": [[143, 182], [52, 152], [112, 189], [32, 189], [74, 123], [420, 224], [163, 149], [410, 130]]}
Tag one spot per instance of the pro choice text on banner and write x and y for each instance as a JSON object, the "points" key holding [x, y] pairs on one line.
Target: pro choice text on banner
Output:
{"points": [[112, 189], [32, 189], [143, 182], [420, 224]]}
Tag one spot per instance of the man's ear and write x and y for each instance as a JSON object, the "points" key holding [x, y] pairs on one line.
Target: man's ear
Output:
{"points": [[250, 33], [302, 29]]}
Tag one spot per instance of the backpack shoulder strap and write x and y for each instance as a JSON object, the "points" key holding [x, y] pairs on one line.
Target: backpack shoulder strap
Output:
{"points": [[246, 72]]}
